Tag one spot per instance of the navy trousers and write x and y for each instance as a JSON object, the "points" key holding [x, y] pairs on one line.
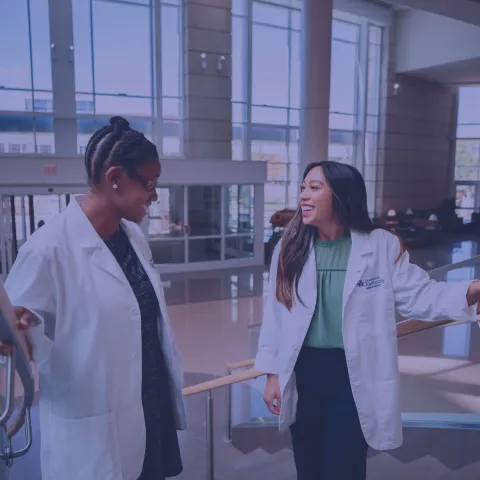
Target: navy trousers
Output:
{"points": [[328, 442]]}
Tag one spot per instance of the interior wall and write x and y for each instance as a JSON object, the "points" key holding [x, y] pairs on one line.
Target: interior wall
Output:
{"points": [[417, 140]]}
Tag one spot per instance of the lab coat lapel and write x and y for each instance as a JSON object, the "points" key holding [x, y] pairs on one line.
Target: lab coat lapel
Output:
{"points": [[357, 264], [82, 231]]}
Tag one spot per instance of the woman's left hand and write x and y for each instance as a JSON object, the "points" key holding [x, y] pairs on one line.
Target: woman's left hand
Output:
{"points": [[473, 294]]}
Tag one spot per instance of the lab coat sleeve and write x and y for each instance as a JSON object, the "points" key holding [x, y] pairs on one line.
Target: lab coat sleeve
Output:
{"points": [[418, 297], [29, 284], [269, 342]]}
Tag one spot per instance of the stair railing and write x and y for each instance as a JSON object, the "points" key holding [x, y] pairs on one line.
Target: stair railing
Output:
{"points": [[15, 362], [404, 328]]}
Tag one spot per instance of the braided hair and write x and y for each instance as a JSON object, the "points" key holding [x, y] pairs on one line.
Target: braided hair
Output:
{"points": [[114, 145]]}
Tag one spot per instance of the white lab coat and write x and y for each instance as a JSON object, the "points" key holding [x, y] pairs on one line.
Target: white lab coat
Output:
{"points": [[88, 349], [374, 288]]}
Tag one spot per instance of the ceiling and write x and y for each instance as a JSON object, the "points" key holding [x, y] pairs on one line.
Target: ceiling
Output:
{"points": [[457, 73]]}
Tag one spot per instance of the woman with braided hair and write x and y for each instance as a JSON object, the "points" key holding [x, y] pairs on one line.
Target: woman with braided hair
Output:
{"points": [[86, 289]]}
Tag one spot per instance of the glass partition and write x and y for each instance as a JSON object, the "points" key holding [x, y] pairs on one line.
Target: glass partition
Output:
{"points": [[203, 223]]}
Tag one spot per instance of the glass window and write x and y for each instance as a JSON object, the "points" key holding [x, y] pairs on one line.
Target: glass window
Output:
{"points": [[269, 144], [204, 210], [466, 173], [296, 20], [374, 67], [82, 41], [15, 69], [25, 66], [239, 247], [113, 104], [238, 112], [341, 147], [275, 196], [239, 7], [44, 136], [275, 94], [469, 105], [238, 142], [204, 249], [467, 159], [239, 74], [271, 116], [17, 134], [240, 211], [168, 251], [295, 50], [167, 214], [122, 49], [270, 69], [270, 14], [342, 121], [171, 126], [171, 55], [40, 44], [343, 80], [468, 131], [277, 172], [345, 31]]}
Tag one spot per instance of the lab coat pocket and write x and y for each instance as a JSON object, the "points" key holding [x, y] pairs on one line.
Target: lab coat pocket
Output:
{"points": [[89, 445]]}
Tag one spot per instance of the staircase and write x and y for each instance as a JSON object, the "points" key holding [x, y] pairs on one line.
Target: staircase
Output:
{"points": [[259, 464]]}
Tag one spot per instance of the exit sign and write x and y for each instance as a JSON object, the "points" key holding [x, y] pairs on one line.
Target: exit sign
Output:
{"points": [[50, 169]]}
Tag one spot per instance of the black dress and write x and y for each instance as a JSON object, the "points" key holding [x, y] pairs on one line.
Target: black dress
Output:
{"points": [[162, 455]]}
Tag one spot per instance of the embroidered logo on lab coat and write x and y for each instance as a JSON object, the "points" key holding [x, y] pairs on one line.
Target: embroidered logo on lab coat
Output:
{"points": [[371, 283]]}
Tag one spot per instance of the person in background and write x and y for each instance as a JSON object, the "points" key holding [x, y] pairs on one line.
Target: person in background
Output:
{"points": [[329, 337], [86, 288]]}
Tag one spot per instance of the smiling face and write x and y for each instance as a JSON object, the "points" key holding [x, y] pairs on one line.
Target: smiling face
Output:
{"points": [[316, 199], [132, 193]]}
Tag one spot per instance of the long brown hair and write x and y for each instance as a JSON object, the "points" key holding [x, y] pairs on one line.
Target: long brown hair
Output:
{"points": [[349, 204]]}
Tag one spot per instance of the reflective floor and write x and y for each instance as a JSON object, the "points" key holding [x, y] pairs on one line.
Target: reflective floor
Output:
{"points": [[216, 318]]}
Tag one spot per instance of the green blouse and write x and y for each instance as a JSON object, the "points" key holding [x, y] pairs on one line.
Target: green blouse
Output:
{"points": [[331, 257]]}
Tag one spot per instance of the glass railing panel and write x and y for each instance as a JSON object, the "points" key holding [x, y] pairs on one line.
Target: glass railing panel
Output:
{"points": [[440, 377]]}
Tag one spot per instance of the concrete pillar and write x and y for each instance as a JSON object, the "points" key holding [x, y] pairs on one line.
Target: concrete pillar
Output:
{"points": [[208, 79], [317, 19], [63, 77]]}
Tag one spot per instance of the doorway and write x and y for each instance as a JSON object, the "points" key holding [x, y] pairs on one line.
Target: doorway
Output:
{"points": [[22, 213]]}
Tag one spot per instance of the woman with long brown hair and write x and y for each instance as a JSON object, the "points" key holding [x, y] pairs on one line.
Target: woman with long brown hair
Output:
{"points": [[328, 341]]}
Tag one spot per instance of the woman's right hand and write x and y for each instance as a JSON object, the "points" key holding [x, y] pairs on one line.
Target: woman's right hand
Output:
{"points": [[24, 320], [272, 395]]}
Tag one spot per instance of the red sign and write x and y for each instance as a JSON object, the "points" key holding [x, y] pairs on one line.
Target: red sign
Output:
{"points": [[50, 169]]}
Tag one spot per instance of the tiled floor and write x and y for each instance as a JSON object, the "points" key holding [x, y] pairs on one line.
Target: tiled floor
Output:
{"points": [[215, 317]]}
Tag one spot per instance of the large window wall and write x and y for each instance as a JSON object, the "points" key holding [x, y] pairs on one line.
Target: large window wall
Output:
{"points": [[126, 57], [467, 158], [266, 93], [26, 97]]}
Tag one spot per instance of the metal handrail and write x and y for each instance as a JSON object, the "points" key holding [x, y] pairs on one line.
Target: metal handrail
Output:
{"points": [[16, 362], [413, 326]]}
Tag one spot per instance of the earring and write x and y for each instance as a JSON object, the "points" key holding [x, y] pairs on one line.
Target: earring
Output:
{"points": [[115, 186]]}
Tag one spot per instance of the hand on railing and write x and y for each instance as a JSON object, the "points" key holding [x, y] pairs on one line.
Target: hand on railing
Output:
{"points": [[24, 319], [17, 350]]}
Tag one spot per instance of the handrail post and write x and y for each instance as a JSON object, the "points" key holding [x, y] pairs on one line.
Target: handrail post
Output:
{"points": [[210, 438], [228, 393]]}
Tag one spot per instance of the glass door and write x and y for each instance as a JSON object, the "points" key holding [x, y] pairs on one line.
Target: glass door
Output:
{"points": [[20, 216]]}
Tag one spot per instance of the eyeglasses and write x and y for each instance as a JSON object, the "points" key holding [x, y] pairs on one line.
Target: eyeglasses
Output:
{"points": [[149, 185]]}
